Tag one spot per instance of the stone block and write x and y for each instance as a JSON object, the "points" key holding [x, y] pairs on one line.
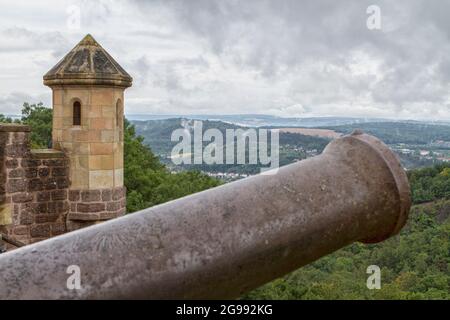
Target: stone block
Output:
{"points": [[79, 178], [31, 173], [62, 182], [101, 123], [102, 97], [26, 218], [67, 121], [109, 112], [43, 196], [60, 171], [16, 150], [59, 195], [40, 230], [36, 185], [118, 178], [113, 206], [101, 162], [58, 110], [101, 148], [107, 136], [118, 158], [21, 230], [80, 136], [5, 214], [76, 94], [74, 195], [22, 197], [58, 123], [118, 193], [106, 195], [57, 134], [11, 163], [95, 136], [100, 179], [95, 111], [55, 162], [29, 163], [57, 97], [80, 148], [58, 228], [16, 185], [90, 195], [49, 184], [91, 207], [42, 208], [16, 173], [44, 172]]}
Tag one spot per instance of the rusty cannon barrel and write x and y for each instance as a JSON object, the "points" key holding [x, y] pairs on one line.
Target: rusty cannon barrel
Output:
{"points": [[225, 241]]}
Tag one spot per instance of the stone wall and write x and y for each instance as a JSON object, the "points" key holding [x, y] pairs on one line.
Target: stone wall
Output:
{"points": [[37, 199], [33, 188], [89, 207]]}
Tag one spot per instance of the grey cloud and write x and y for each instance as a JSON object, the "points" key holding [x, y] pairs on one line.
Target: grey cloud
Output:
{"points": [[9, 104], [253, 56], [23, 39], [278, 37]]}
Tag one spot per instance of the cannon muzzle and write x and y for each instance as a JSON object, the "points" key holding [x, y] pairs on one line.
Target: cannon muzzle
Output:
{"points": [[225, 241]]}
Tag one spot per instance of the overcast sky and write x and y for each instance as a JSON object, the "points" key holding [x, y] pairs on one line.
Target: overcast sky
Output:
{"points": [[279, 57]]}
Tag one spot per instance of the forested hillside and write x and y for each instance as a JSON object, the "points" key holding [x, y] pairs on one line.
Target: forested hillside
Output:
{"points": [[157, 134], [414, 264], [400, 132], [149, 182]]}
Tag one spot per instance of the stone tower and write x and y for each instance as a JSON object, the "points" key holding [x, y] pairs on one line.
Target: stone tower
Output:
{"points": [[88, 105]]}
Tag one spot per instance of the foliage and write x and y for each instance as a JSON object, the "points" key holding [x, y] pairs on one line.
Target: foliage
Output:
{"points": [[149, 182], [414, 265], [4, 119], [431, 183], [39, 118]]}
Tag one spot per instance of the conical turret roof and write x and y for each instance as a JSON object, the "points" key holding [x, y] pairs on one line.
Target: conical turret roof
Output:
{"points": [[88, 64]]}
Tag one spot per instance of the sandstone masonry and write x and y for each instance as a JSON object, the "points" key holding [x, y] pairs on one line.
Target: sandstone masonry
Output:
{"points": [[44, 193]]}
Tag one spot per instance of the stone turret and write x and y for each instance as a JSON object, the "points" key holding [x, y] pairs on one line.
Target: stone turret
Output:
{"points": [[48, 192], [88, 98]]}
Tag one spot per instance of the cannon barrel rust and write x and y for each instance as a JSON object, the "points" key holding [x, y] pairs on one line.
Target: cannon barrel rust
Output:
{"points": [[225, 241]]}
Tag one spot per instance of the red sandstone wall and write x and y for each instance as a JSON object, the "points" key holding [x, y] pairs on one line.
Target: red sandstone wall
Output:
{"points": [[33, 187], [36, 202], [89, 207]]}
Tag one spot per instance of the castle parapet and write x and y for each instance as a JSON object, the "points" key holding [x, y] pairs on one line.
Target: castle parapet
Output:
{"points": [[34, 187]]}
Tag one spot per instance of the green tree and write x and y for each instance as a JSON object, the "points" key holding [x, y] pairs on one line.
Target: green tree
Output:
{"points": [[4, 119], [149, 182], [39, 118]]}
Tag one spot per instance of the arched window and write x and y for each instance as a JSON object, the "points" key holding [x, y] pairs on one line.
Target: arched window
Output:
{"points": [[119, 111], [77, 113]]}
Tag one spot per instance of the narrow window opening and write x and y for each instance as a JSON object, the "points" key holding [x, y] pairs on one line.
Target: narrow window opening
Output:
{"points": [[76, 113], [119, 120]]}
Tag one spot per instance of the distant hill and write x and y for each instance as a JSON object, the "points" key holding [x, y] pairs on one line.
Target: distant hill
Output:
{"points": [[157, 134], [408, 139], [400, 132], [260, 120]]}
